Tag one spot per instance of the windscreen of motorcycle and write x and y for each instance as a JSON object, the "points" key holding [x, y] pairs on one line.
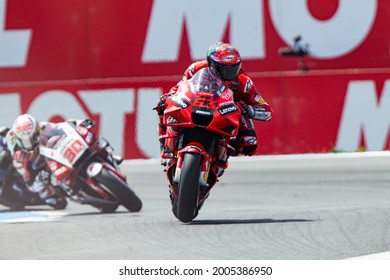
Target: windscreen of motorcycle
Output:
{"points": [[207, 82]]}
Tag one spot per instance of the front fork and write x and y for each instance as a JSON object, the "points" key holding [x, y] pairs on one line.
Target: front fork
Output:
{"points": [[214, 152], [197, 148]]}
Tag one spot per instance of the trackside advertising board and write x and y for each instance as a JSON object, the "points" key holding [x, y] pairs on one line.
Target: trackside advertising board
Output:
{"points": [[111, 60]]}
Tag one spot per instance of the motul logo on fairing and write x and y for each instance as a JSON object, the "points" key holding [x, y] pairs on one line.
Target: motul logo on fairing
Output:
{"points": [[226, 110]]}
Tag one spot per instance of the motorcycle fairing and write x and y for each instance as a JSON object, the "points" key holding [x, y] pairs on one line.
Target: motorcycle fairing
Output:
{"points": [[69, 147], [204, 111]]}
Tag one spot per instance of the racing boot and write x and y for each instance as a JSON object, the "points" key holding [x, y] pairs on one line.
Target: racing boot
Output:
{"points": [[52, 196]]}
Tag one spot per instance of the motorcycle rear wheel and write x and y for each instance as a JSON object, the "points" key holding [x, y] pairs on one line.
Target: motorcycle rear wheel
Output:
{"points": [[189, 187], [120, 190]]}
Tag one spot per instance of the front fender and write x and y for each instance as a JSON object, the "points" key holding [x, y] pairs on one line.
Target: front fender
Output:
{"points": [[94, 169], [196, 148]]}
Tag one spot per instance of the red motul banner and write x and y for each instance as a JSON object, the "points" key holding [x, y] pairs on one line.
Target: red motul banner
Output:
{"points": [[313, 113], [110, 61]]}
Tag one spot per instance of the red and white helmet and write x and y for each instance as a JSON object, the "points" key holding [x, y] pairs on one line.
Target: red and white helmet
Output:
{"points": [[225, 59], [26, 129]]}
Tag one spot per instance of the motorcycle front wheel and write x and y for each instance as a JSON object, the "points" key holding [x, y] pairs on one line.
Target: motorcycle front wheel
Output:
{"points": [[120, 190], [189, 187]]}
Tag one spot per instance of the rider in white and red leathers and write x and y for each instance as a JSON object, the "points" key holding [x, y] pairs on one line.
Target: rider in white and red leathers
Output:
{"points": [[24, 140], [226, 61], [23, 143]]}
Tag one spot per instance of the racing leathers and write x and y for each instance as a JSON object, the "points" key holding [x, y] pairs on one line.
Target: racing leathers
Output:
{"points": [[5, 160], [246, 96], [34, 171]]}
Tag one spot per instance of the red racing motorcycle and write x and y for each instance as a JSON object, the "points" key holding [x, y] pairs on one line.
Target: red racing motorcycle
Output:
{"points": [[201, 118], [82, 165]]}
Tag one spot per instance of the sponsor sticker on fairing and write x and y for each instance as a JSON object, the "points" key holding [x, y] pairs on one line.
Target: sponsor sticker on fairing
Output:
{"points": [[261, 101], [202, 112], [180, 102], [227, 109]]}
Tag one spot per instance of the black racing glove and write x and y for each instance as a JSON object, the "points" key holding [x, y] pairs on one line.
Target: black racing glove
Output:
{"points": [[88, 123], [160, 107], [246, 109]]}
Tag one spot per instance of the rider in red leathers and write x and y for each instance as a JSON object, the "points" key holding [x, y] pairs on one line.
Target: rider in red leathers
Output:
{"points": [[226, 61]]}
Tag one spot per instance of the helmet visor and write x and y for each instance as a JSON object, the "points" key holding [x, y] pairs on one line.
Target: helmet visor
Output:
{"points": [[229, 72]]}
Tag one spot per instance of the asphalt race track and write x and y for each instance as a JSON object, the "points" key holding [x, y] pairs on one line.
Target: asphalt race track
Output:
{"points": [[309, 207]]}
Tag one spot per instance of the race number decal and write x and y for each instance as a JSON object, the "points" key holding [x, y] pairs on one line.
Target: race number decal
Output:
{"points": [[75, 148], [204, 102]]}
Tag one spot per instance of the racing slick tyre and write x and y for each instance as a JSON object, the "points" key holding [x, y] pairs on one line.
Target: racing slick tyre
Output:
{"points": [[108, 208], [189, 187], [120, 190]]}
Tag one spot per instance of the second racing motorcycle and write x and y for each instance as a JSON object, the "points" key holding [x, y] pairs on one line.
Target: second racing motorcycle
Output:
{"points": [[83, 166], [201, 118]]}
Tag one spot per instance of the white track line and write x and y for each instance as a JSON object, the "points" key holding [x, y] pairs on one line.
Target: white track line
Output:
{"points": [[29, 216]]}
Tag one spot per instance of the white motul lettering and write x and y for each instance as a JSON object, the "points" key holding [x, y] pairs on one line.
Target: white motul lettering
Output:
{"points": [[56, 103], [206, 23], [335, 37], [9, 108], [14, 44], [147, 120], [112, 105], [363, 113]]}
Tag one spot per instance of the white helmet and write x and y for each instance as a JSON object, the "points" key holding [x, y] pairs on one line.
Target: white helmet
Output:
{"points": [[26, 129]]}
